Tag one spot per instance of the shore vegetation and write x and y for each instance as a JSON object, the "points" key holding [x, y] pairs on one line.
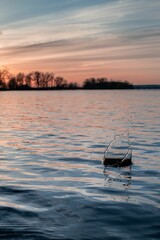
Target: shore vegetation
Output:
{"points": [[37, 80]]}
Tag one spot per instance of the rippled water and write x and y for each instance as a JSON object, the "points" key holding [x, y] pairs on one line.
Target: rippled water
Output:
{"points": [[52, 181]]}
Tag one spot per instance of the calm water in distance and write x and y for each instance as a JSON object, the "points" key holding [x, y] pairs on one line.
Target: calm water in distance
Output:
{"points": [[52, 180]]}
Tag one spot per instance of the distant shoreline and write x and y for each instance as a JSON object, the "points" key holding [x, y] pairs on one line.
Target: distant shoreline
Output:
{"points": [[147, 86], [135, 87], [46, 81]]}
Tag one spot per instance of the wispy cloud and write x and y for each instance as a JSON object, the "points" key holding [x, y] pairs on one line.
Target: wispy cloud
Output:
{"points": [[105, 37]]}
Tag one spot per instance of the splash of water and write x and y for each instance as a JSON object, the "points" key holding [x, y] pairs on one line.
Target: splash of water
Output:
{"points": [[119, 151]]}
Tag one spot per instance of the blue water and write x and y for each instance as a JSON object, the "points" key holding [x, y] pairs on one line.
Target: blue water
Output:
{"points": [[52, 180]]}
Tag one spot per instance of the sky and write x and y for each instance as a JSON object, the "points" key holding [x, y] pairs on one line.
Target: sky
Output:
{"points": [[79, 39]]}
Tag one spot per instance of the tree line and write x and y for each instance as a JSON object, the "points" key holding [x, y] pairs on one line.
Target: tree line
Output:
{"points": [[38, 80]]}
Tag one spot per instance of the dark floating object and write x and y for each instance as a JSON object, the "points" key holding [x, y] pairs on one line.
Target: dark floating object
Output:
{"points": [[119, 152], [115, 162]]}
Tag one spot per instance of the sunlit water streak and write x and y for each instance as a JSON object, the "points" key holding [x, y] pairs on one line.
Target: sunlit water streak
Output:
{"points": [[52, 181]]}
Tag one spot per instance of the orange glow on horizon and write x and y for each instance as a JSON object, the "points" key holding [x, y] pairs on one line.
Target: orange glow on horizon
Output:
{"points": [[113, 39]]}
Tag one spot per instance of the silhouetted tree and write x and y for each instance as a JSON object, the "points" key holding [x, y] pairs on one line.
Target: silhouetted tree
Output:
{"points": [[103, 83], [28, 80], [4, 77], [89, 83], [60, 83], [72, 85], [48, 80], [40, 79], [20, 79], [2, 85], [37, 78], [12, 83]]}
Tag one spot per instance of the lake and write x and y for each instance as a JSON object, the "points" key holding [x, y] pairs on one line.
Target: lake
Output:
{"points": [[52, 180]]}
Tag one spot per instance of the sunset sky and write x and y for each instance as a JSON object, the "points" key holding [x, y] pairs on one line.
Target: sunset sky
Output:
{"points": [[78, 39]]}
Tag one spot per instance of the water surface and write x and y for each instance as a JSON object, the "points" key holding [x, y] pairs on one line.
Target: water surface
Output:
{"points": [[52, 181]]}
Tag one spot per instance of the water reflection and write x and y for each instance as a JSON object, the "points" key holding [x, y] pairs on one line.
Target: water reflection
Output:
{"points": [[121, 173], [51, 151], [119, 180]]}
